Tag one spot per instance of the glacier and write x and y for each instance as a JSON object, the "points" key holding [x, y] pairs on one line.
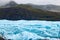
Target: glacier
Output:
{"points": [[29, 30]]}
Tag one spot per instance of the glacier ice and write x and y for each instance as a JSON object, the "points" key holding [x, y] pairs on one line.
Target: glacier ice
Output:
{"points": [[29, 30]]}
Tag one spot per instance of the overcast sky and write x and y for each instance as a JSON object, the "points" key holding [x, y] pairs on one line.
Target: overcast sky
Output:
{"points": [[37, 2]]}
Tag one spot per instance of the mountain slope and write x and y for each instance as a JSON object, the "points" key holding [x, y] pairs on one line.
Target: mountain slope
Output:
{"points": [[49, 7], [25, 12]]}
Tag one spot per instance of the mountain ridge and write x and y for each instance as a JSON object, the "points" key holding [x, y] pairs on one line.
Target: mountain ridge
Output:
{"points": [[27, 12], [48, 7]]}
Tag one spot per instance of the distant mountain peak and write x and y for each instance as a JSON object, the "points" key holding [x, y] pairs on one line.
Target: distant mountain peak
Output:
{"points": [[10, 4]]}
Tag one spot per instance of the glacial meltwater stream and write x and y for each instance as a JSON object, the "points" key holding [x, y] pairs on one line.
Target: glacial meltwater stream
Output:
{"points": [[30, 30]]}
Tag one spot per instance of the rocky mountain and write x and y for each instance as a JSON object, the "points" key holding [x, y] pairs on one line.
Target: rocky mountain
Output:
{"points": [[10, 4], [49, 7], [25, 12], [14, 11]]}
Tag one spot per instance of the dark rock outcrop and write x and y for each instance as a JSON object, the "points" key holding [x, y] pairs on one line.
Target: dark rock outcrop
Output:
{"points": [[2, 38]]}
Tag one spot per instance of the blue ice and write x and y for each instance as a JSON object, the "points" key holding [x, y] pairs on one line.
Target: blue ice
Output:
{"points": [[29, 30]]}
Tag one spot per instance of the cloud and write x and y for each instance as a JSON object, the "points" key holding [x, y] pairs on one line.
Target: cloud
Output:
{"points": [[38, 2], [2, 2]]}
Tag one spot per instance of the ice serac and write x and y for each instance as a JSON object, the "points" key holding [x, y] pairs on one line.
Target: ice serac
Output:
{"points": [[26, 30]]}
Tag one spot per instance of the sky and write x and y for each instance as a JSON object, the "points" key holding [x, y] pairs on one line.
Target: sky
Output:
{"points": [[37, 2]]}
